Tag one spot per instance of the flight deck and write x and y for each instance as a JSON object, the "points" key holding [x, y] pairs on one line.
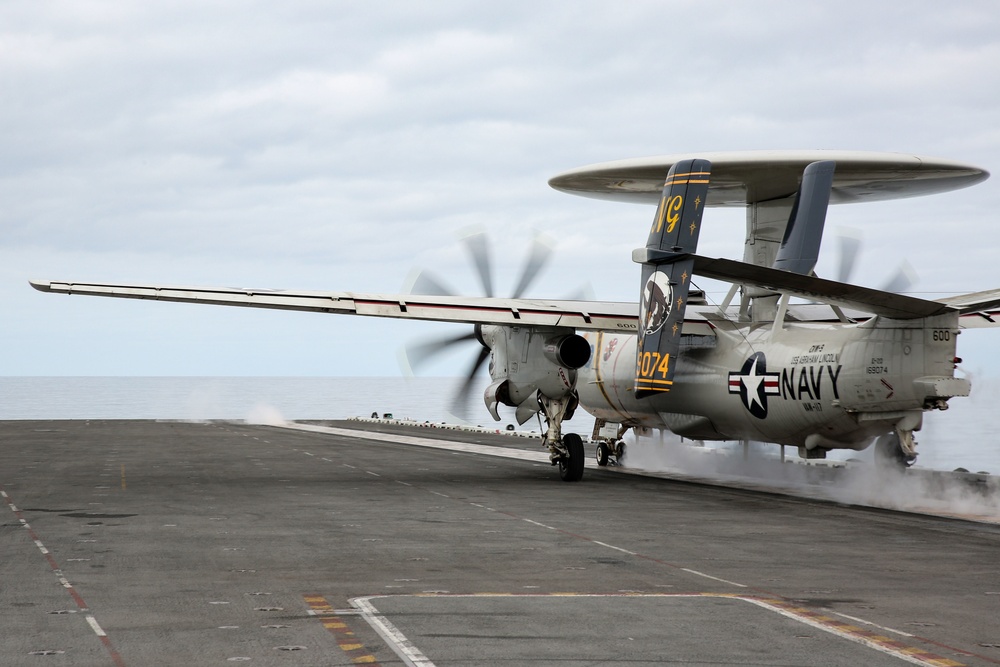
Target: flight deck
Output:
{"points": [[174, 543]]}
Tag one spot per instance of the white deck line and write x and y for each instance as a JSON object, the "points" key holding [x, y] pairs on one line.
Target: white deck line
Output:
{"points": [[403, 647], [413, 657], [724, 481]]}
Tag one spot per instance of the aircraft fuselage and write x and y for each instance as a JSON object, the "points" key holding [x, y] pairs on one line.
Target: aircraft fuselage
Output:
{"points": [[807, 385]]}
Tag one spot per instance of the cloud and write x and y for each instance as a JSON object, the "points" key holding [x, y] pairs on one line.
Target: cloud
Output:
{"points": [[336, 146]]}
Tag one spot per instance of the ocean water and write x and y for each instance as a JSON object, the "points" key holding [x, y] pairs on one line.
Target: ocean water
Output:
{"points": [[201, 398], [963, 436]]}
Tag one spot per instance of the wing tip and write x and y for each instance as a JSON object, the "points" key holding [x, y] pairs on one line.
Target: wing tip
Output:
{"points": [[41, 285]]}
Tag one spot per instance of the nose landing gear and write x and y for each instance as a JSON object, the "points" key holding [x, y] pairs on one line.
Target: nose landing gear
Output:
{"points": [[565, 450], [571, 464]]}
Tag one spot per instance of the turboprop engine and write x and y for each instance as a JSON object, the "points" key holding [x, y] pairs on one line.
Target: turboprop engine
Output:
{"points": [[528, 364], [533, 368]]}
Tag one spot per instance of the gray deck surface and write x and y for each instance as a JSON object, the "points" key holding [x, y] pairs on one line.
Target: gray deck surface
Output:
{"points": [[213, 544]]}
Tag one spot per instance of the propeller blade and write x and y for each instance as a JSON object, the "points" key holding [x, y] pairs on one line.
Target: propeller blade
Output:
{"points": [[460, 401], [902, 281], [850, 246], [479, 250], [541, 251], [418, 354], [584, 292], [427, 284]]}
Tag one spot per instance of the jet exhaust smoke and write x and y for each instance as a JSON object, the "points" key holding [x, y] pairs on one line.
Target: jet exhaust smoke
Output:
{"points": [[265, 415], [960, 495]]}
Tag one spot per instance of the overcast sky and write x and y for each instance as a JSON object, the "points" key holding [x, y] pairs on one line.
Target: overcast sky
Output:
{"points": [[338, 146]]}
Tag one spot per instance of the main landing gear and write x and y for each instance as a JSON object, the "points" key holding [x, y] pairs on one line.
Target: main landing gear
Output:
{"points": [[610, 453], [566, 451], [896, 450], [610, 446]]}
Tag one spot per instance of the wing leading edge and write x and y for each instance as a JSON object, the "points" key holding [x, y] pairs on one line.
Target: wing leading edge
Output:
{"points": [[886, 304], [977, 310], [584, 315]]}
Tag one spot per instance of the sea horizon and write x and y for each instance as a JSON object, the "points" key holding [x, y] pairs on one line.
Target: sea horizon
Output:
{"points": [[961, 437]]}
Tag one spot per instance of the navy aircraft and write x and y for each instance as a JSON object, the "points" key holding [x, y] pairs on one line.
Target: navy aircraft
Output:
{"points": [[849, 367]]}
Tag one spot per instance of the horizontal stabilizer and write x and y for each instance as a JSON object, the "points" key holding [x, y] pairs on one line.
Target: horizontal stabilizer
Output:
{"points": [[886, 304], [973, 303]]}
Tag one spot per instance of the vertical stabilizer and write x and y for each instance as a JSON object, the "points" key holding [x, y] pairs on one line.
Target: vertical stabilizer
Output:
{"points": [[667, 263], [799, 248]]}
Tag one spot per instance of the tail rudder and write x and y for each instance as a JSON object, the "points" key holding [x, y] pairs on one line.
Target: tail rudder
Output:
{"points": [[667, 263]]}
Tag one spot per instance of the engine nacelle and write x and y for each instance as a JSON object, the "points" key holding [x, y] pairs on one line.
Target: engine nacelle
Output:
{"points": [[527, 360], [572, 351]]}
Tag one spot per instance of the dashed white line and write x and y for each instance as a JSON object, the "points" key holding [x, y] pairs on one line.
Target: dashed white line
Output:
{"points": [[708, 576], [63, 581], [483, 507], [96, 626], [414, 658], [611, 546], [840, 633], [874, 625], [496, 451]]}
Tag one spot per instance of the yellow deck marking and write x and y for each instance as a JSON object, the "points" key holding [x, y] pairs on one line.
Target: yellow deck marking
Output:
{"points": [[345, 637], [816, 619]]}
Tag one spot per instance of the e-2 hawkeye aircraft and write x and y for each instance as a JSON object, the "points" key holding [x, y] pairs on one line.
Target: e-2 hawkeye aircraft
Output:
{"points": [[852, 366]]}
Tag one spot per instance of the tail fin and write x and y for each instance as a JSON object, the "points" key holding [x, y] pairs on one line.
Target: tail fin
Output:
{"points": [[667, 262], [799, 248]]}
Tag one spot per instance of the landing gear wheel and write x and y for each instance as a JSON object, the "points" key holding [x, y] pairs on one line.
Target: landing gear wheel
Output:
{"points": [[603, 453], [620, 451], [889, 453], [571, 465]]}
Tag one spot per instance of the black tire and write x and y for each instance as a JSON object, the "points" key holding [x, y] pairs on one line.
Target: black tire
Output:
{"points": [[603, 454], [889, 454], [620, 452], [571, 466]]}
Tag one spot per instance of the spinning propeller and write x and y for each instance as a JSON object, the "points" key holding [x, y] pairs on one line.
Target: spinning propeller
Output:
{"points": [[850, 244], [478, 247]]}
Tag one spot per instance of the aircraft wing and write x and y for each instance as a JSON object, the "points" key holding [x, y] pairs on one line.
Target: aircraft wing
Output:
{"points": [[886, 304], [584, 315], [979, 309], [975, 302]]}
